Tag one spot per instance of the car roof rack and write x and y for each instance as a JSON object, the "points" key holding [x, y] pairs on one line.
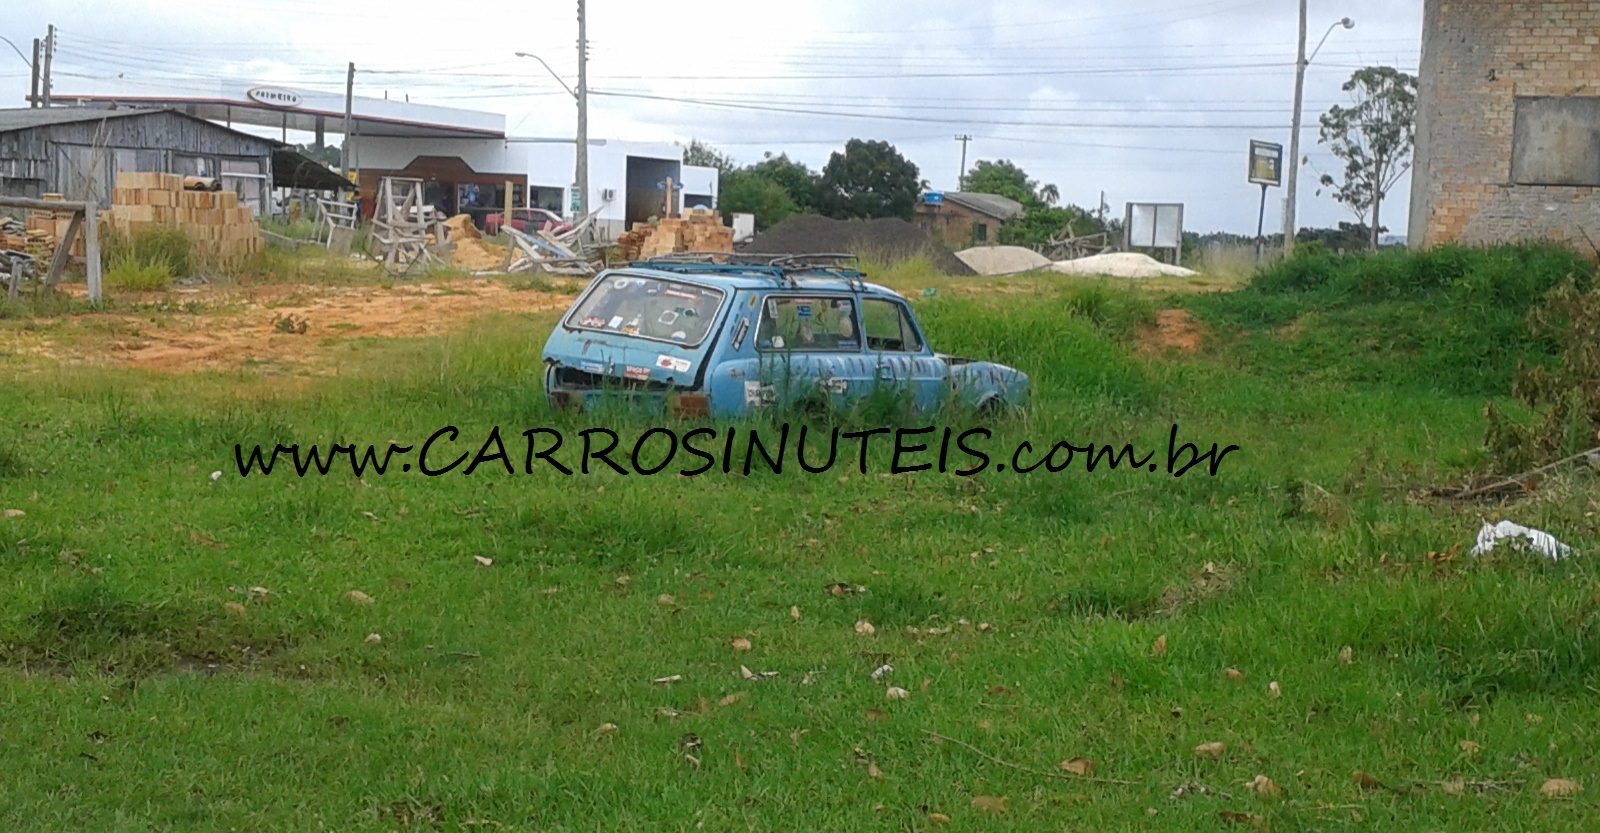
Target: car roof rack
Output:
{"points": [[784, 267]]}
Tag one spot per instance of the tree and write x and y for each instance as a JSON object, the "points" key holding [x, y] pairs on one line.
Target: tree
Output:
{"points": [[868, 180], [797, 179], [745, 191], [1006, 179], [1374, 138], [703, 155], [1042, 224]]}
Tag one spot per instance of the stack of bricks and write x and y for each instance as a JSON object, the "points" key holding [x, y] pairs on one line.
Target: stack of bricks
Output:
{"points": [[223, 231], [44, 229], [700, 230]]}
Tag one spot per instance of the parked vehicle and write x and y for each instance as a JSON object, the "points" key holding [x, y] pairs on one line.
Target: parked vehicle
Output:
{"points": [[707, 338], [528, 220]]}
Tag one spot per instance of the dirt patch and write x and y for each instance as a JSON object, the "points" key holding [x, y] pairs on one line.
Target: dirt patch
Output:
{"points": [[238, 327], [1174, 330], [890, 240], [1292, 330]]}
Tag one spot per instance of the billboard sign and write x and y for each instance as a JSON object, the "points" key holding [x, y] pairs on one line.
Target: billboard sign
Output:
{"points": [[1266, 163]]}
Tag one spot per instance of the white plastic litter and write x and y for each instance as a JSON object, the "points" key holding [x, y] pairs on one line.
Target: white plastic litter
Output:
{"points": [[1539, 541]]}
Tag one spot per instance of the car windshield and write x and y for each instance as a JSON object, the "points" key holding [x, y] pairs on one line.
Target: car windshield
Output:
{"points": [[651, 308]]}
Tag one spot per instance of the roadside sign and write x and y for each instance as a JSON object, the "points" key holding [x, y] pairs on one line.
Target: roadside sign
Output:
{"points": [[933, 198], [1266, 163]]}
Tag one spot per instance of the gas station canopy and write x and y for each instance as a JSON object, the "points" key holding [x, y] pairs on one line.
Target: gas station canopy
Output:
{"points": [[312, 111]]}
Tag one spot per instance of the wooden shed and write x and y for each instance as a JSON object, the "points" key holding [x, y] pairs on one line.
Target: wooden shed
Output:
{"points": [[78, 151]]}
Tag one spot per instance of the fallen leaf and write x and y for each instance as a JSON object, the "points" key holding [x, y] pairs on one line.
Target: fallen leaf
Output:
{"points": [[992, 804], [483, 561], [1366, 781], [897, 693], [738, 760], [794, 613], [1470, 747], [358, 597], [258, 593], [986, 726], [1233, 674], [873, 771], [1560, 788], [1264, 787], [1274, 690], [877, 714], [1210, 750], [1235, 817], [741, 644], [373, 639], [938, 818], [690, 742], [692, 761], [606, 729], [1454, 786], [15, 513], [731, 699], [865, 628], [666, 600], [675, 678], [1081, 767], [882, 671], [1159, 649], [1347, 655]]}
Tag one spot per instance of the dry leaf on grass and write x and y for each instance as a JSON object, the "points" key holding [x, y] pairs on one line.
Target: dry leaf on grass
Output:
{"points": [[1560, 788], [1470, 747], [666, 600], [373, 639], [741, 644], [1081, 767], [877, 714], [873, 771], [675, 678], [483, 560], [1210, 750], [992, 804], [1347, 655], [358, 597], [1235, 817], [731, 699], [1264, 787], [606, 729], [1233, 674], [865, 628], [1274, 690], [234, 608], [794, 614], [1366, 781], [1454, 786], [938, 818], [746, 674], [1159, 649], [896, 693], [15, 513]]}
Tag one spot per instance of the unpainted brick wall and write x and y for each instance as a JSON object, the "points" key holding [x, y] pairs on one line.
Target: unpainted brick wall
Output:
{"points": [[1478, 57]]}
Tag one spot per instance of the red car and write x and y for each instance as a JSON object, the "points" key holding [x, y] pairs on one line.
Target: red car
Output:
{"points": [[528, 220]]}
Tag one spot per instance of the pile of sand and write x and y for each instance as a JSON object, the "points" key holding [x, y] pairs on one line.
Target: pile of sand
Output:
{"points": [[1122, 265], [1003, 260], [471, 252]]}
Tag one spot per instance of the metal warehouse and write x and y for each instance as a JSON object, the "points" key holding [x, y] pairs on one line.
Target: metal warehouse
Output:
{"points": [[77, 152]]}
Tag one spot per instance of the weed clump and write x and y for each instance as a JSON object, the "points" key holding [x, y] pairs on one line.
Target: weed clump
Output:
{"points": [[146, 261]]}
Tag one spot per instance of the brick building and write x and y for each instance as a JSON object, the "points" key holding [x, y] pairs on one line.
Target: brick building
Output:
{"points": [[960, 219], [1508, 123]]}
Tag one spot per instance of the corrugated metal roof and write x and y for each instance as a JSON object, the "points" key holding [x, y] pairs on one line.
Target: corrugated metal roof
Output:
{"points": [[25, 117], [994, 205]]}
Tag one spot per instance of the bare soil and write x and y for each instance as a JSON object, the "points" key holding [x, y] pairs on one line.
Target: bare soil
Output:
{"points": [[233, 327], [1175, 330]]}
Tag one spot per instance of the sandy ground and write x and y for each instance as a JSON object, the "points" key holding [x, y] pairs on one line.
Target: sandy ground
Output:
{"points": [[235, 327], [1174, 330]]}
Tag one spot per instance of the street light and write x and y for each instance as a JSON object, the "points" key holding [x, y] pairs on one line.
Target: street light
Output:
{"points": [[582, 157], [1291, 192]]}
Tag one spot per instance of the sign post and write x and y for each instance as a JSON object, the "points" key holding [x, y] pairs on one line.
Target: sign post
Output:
{"points": [[1266, 170]]}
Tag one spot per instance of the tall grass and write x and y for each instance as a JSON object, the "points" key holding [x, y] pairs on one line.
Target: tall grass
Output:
{"points": [[146, 261]]}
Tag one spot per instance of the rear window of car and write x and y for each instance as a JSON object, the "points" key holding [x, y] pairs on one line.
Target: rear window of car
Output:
{"points": [[660, 310]]}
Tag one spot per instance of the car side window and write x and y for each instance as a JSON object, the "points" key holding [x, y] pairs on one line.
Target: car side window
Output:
{"points": [[808, 324], [889, 328]]}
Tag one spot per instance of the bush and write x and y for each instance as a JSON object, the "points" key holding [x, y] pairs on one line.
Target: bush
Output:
{"points": [[133, 277]]}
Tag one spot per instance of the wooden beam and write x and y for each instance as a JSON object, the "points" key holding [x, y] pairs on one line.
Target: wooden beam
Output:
{"points": [[55, 206], [58, 264]]}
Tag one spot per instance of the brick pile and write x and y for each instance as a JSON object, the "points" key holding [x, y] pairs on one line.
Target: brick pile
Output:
{"points": [[699, 230], [222, 230], [43, 230]]}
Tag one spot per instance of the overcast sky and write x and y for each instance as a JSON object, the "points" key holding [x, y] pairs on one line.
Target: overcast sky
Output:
{"points": [[1148, 100]]}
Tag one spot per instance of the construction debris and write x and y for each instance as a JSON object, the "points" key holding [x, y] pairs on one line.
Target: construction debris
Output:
{"points": [[222, 231], [993, 261], [472, 252], [405, 230]]}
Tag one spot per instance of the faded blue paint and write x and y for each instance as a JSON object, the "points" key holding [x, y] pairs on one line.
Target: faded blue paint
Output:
{"points": [[731, 369]]}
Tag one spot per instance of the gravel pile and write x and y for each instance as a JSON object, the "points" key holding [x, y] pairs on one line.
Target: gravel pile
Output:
{"points": [[889, 240], [1003, 260], [1122, 265]]}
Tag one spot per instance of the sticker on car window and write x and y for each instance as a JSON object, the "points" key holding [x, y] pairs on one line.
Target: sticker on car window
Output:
{"points": [[616, 321], [674, 364], [777, 342], [803, 310]]}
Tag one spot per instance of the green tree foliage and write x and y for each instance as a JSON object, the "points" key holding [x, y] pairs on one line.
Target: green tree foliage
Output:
{"points": [[746, 191], [1042, 224], [1004, 178], [797, 179], [703, 155], [868, 180], [1374, 138]]}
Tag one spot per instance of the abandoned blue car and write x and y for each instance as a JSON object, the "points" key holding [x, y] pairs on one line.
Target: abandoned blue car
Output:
{"points": [[721, 335]]}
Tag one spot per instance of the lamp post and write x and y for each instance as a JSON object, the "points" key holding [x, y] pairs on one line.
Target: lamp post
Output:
{"points": [[1291, 190], [581, 96]]}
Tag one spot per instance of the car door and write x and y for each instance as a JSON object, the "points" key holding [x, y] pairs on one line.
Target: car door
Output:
{"points": [[810, 350], [900, 355]]}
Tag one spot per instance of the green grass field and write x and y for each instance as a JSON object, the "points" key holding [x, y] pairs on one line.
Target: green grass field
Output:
{"points": [[183, 654]]}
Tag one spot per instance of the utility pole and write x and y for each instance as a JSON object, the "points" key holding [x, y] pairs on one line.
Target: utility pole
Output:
{"points": [[961, 181], [33, 88], [583, 112], [349, 107], [49, 56], [1290, 191]]}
